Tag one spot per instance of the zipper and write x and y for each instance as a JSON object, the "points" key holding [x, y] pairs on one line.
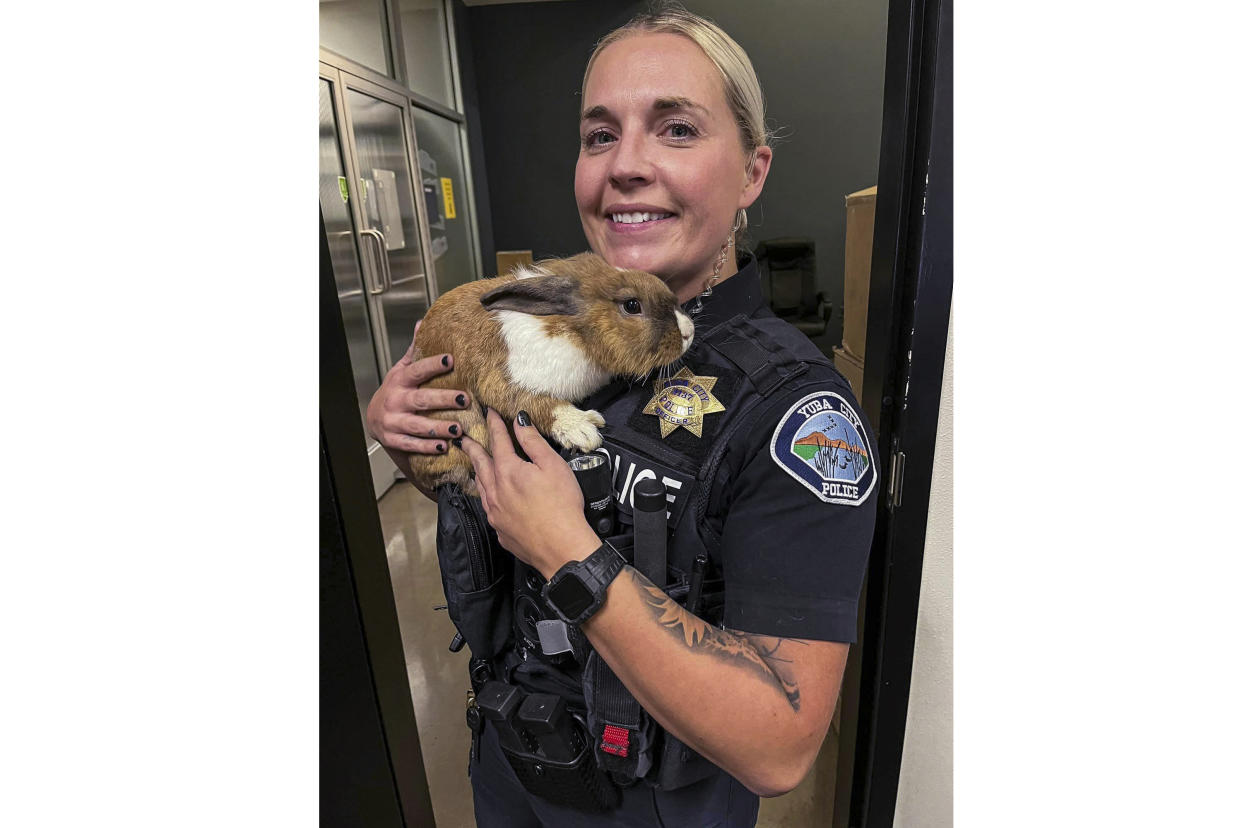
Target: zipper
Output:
{"points": [[475, 543]]}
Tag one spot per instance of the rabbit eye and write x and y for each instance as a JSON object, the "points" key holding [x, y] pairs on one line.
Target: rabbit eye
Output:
{"points": [[632, 307]]}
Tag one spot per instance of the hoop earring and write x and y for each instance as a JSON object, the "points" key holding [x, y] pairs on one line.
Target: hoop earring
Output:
{"points": [[720, 260]]}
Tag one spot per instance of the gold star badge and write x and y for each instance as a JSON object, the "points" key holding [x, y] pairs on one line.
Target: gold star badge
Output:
{"points": [[682, 401]]}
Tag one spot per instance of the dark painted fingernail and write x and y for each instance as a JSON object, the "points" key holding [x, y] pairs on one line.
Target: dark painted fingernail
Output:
{"points": [[444, 360], [461, 400], [484, 407], [439, 446], [472, 474], [523, 418], [453, 429], [456, 441]]}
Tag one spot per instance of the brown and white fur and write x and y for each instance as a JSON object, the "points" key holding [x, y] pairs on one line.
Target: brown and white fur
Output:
{"points": [[540, 339]]}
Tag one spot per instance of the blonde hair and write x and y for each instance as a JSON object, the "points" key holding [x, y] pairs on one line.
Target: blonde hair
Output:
{"points": [[741, 85]]}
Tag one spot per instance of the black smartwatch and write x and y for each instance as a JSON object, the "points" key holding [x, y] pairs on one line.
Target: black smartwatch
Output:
{"points": [[577, 589]]}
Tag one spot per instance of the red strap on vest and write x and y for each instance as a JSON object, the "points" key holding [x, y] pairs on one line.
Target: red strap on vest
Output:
{"points": [[616, 740]]}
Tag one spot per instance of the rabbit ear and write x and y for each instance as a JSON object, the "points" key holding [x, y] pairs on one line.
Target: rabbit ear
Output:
{"points": [[538, 296]]}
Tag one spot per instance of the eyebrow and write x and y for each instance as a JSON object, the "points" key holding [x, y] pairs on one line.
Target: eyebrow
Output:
{"points": [[675, 102]]}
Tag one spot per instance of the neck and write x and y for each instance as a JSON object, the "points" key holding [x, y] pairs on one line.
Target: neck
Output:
{"points": [[692, 289]]}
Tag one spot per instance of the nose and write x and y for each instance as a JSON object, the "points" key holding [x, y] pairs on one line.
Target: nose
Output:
{"points": [[686, 326], [631, 163]]}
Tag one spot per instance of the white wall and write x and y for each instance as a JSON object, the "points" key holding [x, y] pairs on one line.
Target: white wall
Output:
{"points": [[925, 789]]}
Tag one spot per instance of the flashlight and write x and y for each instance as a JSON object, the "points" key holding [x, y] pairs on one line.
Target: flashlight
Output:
{"points": [[595, 480]]}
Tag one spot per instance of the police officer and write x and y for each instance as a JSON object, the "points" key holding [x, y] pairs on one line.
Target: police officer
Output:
{"points": [[766, 462]]}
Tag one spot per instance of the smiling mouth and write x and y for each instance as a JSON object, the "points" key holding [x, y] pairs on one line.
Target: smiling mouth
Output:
{"points": [[637, 218]]}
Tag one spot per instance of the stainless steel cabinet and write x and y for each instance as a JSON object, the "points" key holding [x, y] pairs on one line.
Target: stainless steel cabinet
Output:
{"points": [[373, 209], [447, 195], [334, 192], [394, 178], [387, 209]]}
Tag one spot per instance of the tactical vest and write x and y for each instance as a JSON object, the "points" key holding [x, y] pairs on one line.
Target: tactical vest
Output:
{"points": [[741, 373]]}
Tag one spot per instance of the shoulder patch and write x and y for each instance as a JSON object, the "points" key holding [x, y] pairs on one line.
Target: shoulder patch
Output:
{"points": [[822, 443]]}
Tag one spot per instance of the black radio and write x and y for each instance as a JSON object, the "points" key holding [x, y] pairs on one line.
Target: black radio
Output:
{"points": [[536, 627]]}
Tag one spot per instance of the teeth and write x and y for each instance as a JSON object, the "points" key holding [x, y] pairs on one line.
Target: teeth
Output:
{"points": [[638, 218]]}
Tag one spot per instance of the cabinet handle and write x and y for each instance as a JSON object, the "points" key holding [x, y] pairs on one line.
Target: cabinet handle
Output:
{"points": [[382, 258]]}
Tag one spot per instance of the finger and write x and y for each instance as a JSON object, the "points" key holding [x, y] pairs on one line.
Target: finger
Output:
{"points": [[416, 445], [416, 426], [433, 399], [533, 443], [502, 446], [416, 373], [409, 352], [484, 473], [408, 356]]}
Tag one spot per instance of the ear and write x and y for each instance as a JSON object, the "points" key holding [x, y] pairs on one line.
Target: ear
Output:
{"points": [[529, 271], [756, 174], [538, 296]]}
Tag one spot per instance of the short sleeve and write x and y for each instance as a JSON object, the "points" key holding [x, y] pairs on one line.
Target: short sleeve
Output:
{"points": [[799, 521]]}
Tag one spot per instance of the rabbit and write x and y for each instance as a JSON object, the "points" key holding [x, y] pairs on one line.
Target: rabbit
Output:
{"points": [[540, 339]]}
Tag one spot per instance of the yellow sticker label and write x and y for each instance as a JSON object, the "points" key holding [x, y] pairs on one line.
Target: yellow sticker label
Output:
{"points": [[344, 185], [450, 208]]}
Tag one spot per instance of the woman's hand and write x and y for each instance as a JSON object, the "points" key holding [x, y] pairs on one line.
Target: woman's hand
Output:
{"points": [[535, 507], [393, 416]]}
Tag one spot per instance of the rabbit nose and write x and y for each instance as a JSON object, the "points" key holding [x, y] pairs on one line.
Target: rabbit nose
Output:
{"points": [[686, 326]]}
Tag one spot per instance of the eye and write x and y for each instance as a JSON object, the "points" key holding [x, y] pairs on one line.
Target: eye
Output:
{"points": [[680, 130], [632, 307], [598, 138]]}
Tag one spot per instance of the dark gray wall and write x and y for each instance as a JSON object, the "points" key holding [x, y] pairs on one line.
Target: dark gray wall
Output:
{"points": [[474, 135], [529, 59], [821, 65]]}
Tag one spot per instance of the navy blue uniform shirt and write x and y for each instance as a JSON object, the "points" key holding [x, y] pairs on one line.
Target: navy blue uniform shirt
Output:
{"points": [[770, 469], [786, 513]]}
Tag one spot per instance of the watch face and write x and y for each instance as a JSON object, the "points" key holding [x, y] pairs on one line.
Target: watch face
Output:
{"points": [[571, 596]]}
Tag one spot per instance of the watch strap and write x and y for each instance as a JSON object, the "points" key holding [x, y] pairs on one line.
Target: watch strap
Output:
{"points": [[596, 572], [604, 565]]}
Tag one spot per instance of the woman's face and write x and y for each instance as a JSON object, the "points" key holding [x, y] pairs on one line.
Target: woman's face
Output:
{"points": [[661, 173]]}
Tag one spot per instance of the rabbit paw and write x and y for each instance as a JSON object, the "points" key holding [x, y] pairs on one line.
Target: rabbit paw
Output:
{"points": [[577, 429]]}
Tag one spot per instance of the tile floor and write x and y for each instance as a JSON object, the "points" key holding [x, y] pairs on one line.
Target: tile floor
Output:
{"points": [[438, 681]]}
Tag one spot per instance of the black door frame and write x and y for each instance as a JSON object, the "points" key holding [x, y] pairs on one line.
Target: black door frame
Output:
{"points": [[369, 754], [907, 331]]}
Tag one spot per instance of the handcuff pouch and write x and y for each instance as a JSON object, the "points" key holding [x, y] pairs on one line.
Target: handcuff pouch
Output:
{"points": [[546, 745], [578, 784]]}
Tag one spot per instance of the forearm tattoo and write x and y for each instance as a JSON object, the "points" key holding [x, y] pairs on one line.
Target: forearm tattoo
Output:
{"points": [[761, 654]]}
